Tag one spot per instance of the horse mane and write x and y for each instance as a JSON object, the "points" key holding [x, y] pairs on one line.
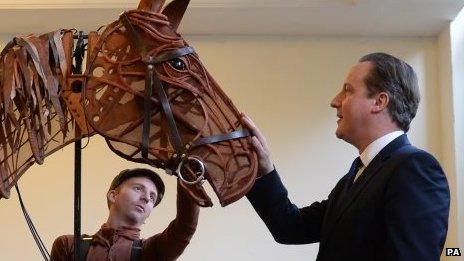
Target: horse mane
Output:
{"points": [[36, 120], [40, 113]]}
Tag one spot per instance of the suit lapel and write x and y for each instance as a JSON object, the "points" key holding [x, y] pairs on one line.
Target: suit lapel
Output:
{"points": [[351, 192]]}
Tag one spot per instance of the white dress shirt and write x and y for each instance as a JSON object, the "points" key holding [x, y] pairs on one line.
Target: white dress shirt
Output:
{"points": [[374, 148]]}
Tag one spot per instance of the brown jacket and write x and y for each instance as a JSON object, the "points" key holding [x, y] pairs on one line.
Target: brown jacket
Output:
{"points": [[116, 244]]}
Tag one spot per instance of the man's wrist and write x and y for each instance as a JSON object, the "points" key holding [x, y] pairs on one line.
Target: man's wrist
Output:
{"points": [[267, 171]]}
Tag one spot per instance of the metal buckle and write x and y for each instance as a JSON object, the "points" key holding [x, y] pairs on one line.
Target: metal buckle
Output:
{"points": [[201, 173]]}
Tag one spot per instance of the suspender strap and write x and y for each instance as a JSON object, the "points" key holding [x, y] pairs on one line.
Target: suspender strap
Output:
{"points": [[136, 252], [85, 246]]}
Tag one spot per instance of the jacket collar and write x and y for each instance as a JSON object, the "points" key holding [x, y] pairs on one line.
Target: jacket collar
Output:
{"points": [[355, 189], [377, 145]]}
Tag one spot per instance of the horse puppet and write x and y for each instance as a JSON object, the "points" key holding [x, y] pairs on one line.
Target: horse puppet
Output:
{"points": [[144, 90]]}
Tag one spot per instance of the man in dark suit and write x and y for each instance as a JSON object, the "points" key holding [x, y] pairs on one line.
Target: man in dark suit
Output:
{"points": [[394, 202]]}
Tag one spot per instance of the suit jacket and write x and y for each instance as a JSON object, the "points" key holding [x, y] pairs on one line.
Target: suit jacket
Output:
{"points": [[396, 210]]}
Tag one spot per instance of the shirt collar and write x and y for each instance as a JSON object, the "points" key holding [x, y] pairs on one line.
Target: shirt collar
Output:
{"points": [[377, 145]]}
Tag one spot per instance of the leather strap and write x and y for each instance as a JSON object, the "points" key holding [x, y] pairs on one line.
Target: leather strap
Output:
{"points": [[135, 37], [136, 252], [174, 54], [150, 80], [86, 241], [173, 131], [221, 137], [148, 84], [147, 110]]}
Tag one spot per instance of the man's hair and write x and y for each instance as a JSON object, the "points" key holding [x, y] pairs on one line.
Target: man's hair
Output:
{"points": [[139, 172], [398, 79]]}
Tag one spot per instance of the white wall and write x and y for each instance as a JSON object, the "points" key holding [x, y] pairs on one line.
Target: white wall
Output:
{"points": [[457, 61], [285, 85], [451, 80], [448, 141]]}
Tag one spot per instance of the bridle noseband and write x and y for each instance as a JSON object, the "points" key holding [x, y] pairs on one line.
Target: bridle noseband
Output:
{"points": [[180, 157]]}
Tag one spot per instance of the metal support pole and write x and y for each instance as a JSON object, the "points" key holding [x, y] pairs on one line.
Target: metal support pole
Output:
{"points": [[79, 57], [77, 200]]}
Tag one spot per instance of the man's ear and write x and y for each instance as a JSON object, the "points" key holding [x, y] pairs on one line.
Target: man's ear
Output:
{"points": [[111, 196], [381, 102]]}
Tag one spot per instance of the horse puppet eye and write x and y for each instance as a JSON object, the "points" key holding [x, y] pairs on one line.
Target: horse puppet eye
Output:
{"points": [[178, 64]]}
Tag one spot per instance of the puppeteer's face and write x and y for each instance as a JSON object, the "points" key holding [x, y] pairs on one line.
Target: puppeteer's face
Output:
{"points": [[353, 105], [134, 200]]}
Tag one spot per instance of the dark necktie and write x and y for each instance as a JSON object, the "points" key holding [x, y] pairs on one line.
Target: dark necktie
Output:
{"points": [[360, 169], [349, 183], [357, 164]]}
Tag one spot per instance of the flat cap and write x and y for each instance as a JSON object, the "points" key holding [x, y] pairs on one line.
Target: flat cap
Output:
{"points": [[140, 172]]}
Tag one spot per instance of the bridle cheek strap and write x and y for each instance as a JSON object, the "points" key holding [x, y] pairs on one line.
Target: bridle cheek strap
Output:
{"points": [[152, 79]]}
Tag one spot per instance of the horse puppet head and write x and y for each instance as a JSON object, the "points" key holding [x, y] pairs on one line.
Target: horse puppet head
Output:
{"points": [[147, 92]]}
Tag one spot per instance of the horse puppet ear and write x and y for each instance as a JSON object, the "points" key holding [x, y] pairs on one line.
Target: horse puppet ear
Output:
{"points": [[151, 5], [175, 11]]}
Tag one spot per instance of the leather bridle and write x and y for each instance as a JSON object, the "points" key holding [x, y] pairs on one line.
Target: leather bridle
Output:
{"points": [[181, 151]]}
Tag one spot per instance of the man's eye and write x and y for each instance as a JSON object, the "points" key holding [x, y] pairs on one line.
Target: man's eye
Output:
{"points": [[178, 64], [137, 188], [347, 91]]}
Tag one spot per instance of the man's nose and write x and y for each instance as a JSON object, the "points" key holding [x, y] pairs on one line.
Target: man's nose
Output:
{"points": [[335, 103], [145, 197]]}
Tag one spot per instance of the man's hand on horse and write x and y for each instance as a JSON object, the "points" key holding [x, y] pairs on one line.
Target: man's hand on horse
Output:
{"points": [[260, 145]]}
